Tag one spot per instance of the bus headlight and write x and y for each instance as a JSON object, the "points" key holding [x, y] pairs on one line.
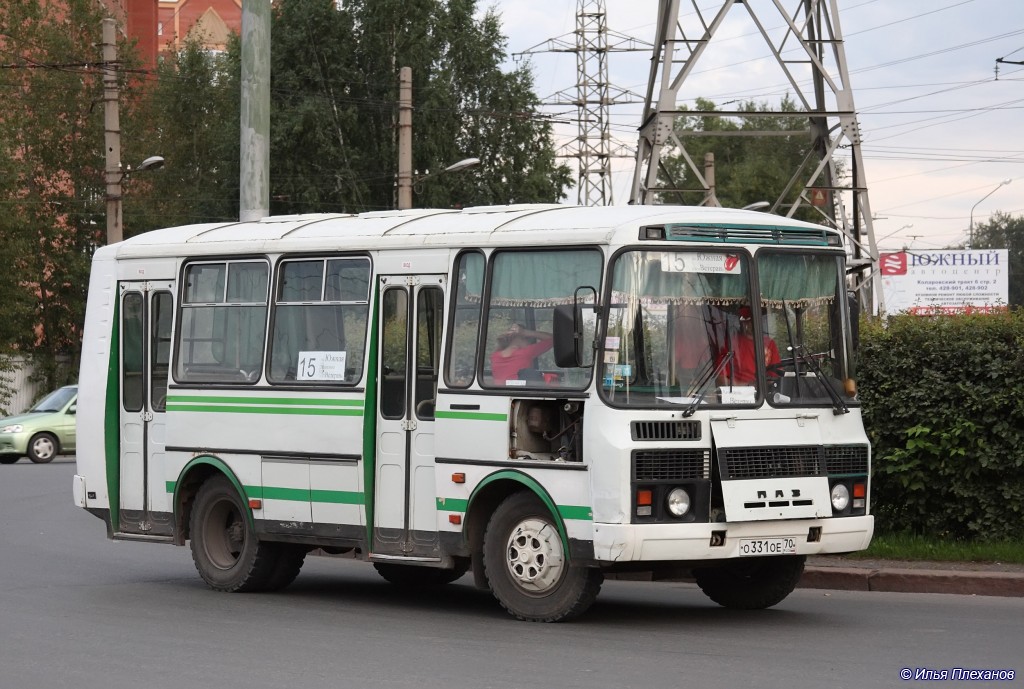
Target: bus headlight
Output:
{"points": [[678, 502], [840, 497]]}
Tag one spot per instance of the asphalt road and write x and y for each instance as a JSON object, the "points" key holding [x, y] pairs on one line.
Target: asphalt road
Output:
{"points": [[77, 610]]}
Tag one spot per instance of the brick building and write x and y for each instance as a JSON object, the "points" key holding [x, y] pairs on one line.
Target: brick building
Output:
{"points": [[162, 25]]}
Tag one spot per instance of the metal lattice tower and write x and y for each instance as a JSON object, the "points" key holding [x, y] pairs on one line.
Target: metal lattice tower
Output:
{"points": [[593, 147], [819, 78]]}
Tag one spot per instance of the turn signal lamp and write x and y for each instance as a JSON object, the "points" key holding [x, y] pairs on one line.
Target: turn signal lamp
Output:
{"points": [[644, 500], [255, 503], [458, 478], [860, 490]]}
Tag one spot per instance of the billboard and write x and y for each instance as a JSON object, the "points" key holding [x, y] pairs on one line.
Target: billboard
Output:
{"points": [[945, 281]]}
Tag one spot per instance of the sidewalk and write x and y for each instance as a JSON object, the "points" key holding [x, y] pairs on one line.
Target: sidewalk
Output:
{"points": [[967, 578]]}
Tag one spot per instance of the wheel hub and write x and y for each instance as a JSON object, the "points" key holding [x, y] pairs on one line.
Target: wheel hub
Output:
{"points": [[534, 555]]}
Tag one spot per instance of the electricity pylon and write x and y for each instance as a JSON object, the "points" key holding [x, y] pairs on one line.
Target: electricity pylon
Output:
{"points": [[809, 50], [593, 147]]}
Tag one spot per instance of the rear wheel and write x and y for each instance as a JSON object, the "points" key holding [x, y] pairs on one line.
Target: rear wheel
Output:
{"points": [[526, 565], [751, 584], [42, 448], [9, 459], [411, 576], [226, 552]]}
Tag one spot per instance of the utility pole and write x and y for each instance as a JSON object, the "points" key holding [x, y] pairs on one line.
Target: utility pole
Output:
{"points": [[112, 133], [254, 173], [710, 198], [405, 138]]}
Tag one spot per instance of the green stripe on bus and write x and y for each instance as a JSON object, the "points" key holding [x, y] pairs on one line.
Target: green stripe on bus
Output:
{"points": [[337, 497], [470, 415], [303, 411], [576, 512], [452, 504], [286, 401]]}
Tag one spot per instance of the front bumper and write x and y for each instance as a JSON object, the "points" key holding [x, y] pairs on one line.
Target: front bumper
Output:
{"points": [[685, 542], [13, 443]]}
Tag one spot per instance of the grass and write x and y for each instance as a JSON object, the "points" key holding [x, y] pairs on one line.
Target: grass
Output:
{"points": [[913, 547]]}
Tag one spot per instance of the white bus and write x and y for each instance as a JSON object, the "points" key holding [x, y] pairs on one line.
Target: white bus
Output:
{"points": [[539, 394]]}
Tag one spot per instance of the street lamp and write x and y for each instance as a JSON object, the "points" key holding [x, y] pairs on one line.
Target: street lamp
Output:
{"points": [[970, 229], [115, 232], [465, 163]]}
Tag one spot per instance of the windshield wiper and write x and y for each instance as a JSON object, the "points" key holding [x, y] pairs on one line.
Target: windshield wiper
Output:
{"points": [[838, 405], [709, 375]]}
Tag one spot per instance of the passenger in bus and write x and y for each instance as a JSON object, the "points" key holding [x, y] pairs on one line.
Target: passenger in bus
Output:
{"points": [[742, 369], [517, 348]]}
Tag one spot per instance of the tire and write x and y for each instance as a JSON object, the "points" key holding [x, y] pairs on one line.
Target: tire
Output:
{"points": [[526, 567], [413, 577], [226, 552], [288, 562], [9, 459], [43, 447], [752, 584]]}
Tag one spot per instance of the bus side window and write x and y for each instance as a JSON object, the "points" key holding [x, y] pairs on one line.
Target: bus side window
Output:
{"points": [[465, 333], [320, 314], [525, 287]]}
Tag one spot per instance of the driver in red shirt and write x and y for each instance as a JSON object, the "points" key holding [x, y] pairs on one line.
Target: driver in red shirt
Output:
{"points": [[517, 348], [742, 370]]}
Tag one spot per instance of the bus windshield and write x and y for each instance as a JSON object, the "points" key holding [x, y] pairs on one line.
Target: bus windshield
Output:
{"points": [[686, 328]]}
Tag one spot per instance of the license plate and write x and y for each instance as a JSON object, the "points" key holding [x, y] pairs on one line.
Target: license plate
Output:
{"points": [[767, 546]]}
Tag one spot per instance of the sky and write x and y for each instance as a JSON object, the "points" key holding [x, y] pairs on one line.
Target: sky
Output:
{"points": [[941, 133]]}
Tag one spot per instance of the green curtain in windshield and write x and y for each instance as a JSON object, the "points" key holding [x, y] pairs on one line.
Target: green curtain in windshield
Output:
{"points": [[640, 275], [799, 280]]}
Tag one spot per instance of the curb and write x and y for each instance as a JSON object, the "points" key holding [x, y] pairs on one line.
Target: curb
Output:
{"points": [[1009, 584]]}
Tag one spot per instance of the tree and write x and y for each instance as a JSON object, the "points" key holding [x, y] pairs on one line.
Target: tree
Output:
{"points": [[187, 112], [1004, 231], [748, 168], [51, 166], [335, 96]]}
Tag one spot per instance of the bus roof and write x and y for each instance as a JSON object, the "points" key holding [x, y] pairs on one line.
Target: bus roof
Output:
{"points": [[513, 225]]}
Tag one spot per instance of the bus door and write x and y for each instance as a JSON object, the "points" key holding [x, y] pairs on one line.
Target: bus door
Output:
{"points": [[405, 503], [146, 310]]}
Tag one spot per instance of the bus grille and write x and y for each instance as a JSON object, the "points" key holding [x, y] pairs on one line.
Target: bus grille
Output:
{"points": [[846, 459], [666, 430], [770, 462], [671, 465]]}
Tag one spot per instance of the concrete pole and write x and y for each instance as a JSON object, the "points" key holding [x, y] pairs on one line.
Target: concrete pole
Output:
{"points": [[710, 199], [405, 138], [254, 173], [112, 133]]}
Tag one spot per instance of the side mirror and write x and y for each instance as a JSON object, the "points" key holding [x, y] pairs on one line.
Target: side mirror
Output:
{"points": [[854, 303], [73, 409], [566, 344], [570, 332]]}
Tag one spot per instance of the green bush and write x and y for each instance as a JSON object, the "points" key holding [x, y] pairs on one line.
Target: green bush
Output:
{"points": [[943, 403]]}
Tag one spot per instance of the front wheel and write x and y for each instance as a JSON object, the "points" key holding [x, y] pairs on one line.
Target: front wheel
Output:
{"points": [[526, 565], [752, 584], [42, 448], [226, 552]]}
